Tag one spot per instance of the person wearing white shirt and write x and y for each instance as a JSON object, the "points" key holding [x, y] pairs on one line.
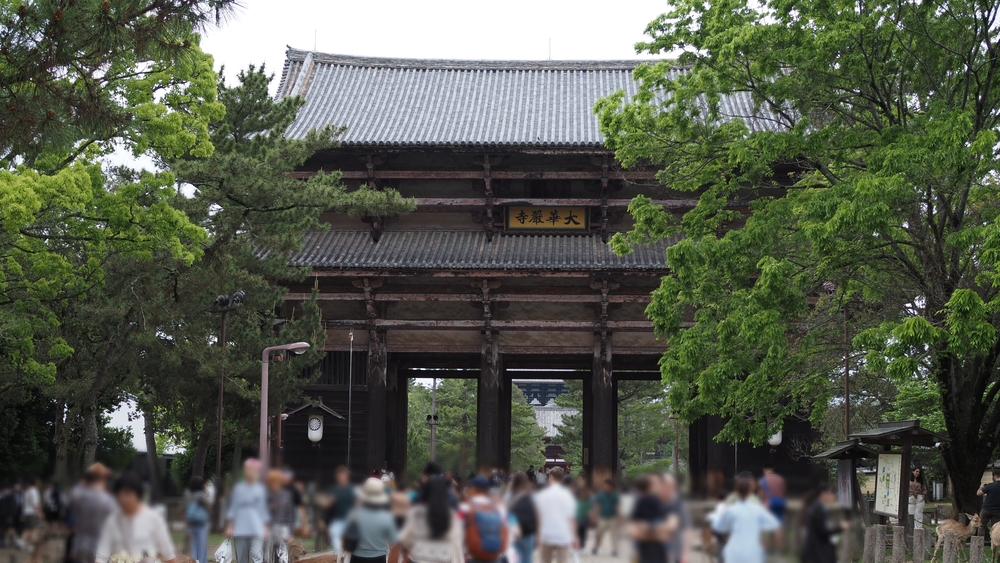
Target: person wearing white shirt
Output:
{"points": [[134, 531], [556, 520]]}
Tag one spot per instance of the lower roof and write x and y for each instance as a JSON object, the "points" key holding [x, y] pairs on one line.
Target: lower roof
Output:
{"points": [[470, 250]]}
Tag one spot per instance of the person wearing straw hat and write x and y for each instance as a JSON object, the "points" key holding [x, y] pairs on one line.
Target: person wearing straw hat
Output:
{"points": [[376, 528]]}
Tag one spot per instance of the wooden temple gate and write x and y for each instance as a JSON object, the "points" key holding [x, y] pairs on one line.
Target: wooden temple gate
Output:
{"points": [[505, 263]]}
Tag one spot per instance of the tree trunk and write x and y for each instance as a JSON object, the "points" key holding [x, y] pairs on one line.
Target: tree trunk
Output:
{"points": [[237, 450], [201, 451], [89, 440], [61, 439], [151, 458]]}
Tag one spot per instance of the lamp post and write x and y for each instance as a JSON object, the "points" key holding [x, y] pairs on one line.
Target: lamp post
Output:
{"points": [[222, 305], [432, 420], [296, 347]]}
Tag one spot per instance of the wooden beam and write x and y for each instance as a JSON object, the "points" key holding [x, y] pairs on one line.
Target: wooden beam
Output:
{"points": [[496, 324], [481, 175], [456, 205], [470, 297], [507, 350]]}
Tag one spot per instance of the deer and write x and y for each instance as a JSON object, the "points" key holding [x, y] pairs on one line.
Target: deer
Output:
{"points": [[955, 529], [995, 540]]}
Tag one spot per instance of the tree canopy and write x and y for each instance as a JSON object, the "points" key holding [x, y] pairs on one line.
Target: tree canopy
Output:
{"points": [[871, 165]]}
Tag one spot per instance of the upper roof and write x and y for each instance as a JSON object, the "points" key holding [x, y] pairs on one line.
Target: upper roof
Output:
{"points": [[470, 250], [451, 103], [894, 433]]}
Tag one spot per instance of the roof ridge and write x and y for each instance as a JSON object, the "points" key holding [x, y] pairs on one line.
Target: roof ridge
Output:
{"points": [[460, 64]]}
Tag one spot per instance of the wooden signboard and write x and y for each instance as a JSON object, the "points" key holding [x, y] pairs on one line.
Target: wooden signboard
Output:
{"points": [[563, 219], [887, 481]]}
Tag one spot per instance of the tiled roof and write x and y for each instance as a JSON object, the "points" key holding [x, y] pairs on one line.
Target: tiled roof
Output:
{"points": [[550, 418], [469, 250], [412, 102]]}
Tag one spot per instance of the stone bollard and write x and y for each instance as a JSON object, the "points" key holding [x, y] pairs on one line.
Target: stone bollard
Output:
{"points": [[880, 541], [919, 546], [950, 550], [898, 545], [977, 553], [868, 555]]}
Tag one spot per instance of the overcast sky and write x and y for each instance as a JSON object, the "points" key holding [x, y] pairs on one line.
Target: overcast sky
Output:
{"points": [[261, 30]]}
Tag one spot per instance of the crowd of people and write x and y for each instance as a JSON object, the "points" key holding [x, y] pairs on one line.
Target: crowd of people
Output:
{"points": [[544, 514]]}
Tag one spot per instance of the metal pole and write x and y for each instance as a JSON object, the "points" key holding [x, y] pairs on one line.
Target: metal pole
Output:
{"points": [[847, 376], [217, 508], [262, 447], [350, 397], [433, 421]]}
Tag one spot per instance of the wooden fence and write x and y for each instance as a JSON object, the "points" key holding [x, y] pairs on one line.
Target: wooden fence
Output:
{"points": [[885, 544]]}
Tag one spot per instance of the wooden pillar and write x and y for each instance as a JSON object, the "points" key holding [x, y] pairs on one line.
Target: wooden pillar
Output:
{"points": [[397, 400], [377, 371], [488, 405], [506, 388], [588, 426], [904, 481], [604, 423]]}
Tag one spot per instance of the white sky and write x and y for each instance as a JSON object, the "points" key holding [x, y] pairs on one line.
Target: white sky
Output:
{"points": [[260, 31]]}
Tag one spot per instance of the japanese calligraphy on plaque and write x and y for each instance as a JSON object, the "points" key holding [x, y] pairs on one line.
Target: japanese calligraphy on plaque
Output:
{"points": [[526, 218]]}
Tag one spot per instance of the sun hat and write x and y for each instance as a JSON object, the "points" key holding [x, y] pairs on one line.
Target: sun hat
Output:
{"points": [[373, 492]]}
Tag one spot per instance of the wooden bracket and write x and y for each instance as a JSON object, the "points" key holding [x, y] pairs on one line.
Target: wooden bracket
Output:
{"points": [[489, 197], [605, 192]]}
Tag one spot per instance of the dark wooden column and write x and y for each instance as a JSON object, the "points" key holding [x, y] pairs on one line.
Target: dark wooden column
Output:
{"points": [[396, 420], [604, 414], [506, 388], [588, 428], [488, 405], [377, 371]]}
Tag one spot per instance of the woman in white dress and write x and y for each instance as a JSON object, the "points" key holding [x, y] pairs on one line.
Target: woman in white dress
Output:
{"points": [[134, 532], [744, 523]]}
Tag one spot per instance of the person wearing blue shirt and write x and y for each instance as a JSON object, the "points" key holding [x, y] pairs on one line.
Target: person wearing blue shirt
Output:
{"points": [[743, 523], [248, 517]]}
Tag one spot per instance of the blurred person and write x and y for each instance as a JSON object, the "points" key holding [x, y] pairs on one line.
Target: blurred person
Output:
{"points": [[917, 497], [342, 498], [297, 489], [431, 470], [8, 516], [743, 523], [608, 503], [196, 516], [819, 546], [281, 507], [522, 506], [557, 525], [134, 531], [772, 491], [584, 513], [53, 504], [90, 505], [247, 517], [399, 506], [531, 474], [990, 513], [680, 544], [31, 513], [376, 528], [486, 523], [541, 477], [649, 527]]}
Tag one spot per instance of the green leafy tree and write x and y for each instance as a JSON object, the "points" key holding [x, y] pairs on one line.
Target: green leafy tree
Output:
{"points": [[527, 437], [872, 160], [79, 79]]}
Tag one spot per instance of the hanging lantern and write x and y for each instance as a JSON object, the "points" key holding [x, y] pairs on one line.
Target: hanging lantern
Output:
{"points": [[315, 427], [775, 440]]}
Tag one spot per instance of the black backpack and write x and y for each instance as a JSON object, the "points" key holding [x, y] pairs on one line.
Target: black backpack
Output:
{"points": [[524, 511]]}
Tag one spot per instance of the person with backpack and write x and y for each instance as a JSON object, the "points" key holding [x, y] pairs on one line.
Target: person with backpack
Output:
{"points": [[370, 527], [522, 506], [433, 532], [487, 530], [196, 513], [557, 531]]}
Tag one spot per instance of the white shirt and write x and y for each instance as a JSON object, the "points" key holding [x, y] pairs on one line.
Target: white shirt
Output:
{"points": [[556, 507], [31, 502], [144, 534]]}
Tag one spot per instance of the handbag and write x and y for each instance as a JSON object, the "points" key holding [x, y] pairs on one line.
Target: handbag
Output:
{"points": [[351, 536]]}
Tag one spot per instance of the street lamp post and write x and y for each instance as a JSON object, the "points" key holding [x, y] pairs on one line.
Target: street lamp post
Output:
{"points": [[296, 347], [222, 305], [432, 420]]}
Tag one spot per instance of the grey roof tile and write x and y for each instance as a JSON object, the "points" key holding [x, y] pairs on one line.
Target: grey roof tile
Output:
{"points": [[415, 102], [469, 250]]}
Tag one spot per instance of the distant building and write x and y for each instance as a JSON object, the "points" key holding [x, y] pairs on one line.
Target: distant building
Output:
{"points": [[541, 395]]}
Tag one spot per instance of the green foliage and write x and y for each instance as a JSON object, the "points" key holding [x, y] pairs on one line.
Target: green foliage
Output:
{"points": [[456, 433], [645, 435], [114, 447], [875, 185]]}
